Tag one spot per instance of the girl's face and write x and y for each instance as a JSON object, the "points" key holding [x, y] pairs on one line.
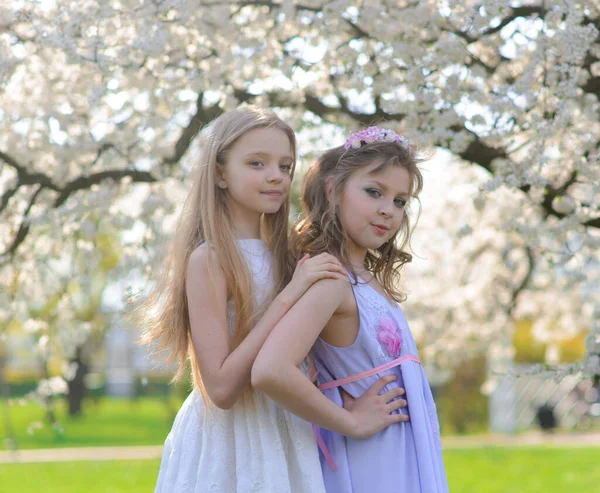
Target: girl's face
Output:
{"points": [[371, 205], [257, 173]]}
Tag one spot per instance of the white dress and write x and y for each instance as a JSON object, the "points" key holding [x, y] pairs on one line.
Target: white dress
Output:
{"points": [[261, 448]]}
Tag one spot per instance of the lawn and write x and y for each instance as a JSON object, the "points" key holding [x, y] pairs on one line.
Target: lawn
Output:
{"points": [[145, 421], [78, 477], [523, 470], [477, 470]]}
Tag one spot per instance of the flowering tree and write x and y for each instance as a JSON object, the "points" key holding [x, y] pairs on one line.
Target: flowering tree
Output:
{"points": [[100, 102]]}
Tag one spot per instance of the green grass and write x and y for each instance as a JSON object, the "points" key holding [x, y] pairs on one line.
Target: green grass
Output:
{"points": [[145, 421], [477, 470], [78, 477], [522, 470]]}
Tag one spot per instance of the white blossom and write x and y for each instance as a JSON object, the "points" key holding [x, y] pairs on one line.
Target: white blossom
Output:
{"points": [[116, 89], [51, 387]]}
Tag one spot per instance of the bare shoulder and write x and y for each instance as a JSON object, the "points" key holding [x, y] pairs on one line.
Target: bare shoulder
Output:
{"points": [[203, 264], [325, 285], [199, 256], [330, 291]]}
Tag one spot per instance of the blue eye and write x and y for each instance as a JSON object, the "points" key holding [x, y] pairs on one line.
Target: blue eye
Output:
{"points": [[373, 192], [285, 167], [255, 164], [400, 203]]}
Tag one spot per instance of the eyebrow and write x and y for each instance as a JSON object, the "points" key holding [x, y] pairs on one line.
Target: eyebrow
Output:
{"points": [[385, 187], [267, 155]]}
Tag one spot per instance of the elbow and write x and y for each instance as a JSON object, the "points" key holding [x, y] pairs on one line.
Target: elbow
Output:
{"points": [[263, 375], [222, 397], [224, 403]]}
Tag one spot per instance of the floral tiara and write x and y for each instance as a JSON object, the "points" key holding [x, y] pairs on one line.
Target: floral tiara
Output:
{"points": [[374, 134]]}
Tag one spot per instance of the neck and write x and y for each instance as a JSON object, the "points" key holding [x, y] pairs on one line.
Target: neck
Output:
{"points": [[356, 255], [246, 224], [244, 232]]}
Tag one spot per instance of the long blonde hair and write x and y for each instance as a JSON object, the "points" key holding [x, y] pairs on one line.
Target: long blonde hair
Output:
{"points": [[205, 218], [320, 229]]}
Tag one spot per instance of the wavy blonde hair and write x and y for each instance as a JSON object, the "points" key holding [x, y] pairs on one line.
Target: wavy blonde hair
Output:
{"points": [[205, 218], [320, 230]]}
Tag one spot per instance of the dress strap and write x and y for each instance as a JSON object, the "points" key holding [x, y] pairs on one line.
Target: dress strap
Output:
{"points": [[353, 378], [368, 373], [323, 447]]}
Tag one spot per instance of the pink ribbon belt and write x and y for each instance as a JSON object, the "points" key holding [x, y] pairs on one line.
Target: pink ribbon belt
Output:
{"points": [[354, 378]]}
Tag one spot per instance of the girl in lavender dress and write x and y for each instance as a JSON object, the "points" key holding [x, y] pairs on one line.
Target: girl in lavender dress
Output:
{"points": [[355, 199]]}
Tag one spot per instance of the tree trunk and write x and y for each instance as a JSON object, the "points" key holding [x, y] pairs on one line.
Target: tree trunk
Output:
{"points": [[77, 389]]}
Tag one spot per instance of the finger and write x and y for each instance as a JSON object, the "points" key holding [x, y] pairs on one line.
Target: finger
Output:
{"points": [[333, 258], [347, 395], [327, 257], [336, 261], [336, 266], [331, 267], [315, 262], [320, 257], [393, 393], [335, 275], [347, 399], [397, 404], [303, 259], [379, 384], [399, 418]]}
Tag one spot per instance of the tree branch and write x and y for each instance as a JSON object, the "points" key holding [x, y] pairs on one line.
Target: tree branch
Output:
{"points": [[25, 177], [84, 182], [317, 107], [6, 196], [515, 13], [524, 282], [198, 121], [24, 227], [482, 154], [551, 193]]}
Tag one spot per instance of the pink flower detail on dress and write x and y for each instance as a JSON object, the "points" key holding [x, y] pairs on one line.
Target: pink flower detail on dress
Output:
{"points": [[389, 337]]}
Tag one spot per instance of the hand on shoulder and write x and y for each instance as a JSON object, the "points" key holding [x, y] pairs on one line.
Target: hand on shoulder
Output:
{"points": [[310, 270]]}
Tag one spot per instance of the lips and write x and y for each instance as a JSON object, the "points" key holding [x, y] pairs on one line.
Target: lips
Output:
{"points": [[273, 193], [381, 229]]}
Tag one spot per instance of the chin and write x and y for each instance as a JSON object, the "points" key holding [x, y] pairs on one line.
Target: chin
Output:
{"points": [[367, 245], [374, 245], [272, 210]]}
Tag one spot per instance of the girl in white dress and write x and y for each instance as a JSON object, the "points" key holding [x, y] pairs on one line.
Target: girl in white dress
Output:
{"points": [[215, 305]]}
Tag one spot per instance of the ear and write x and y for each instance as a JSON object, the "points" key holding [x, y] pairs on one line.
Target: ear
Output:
{"points": [[219, 179]]}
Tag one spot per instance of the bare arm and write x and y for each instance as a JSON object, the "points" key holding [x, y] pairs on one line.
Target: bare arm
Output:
{"points": [[225, 373], [276, 370]]}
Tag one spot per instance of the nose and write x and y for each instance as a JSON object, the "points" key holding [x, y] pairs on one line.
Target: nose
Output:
{"points": [[274, 175], [386, 209]]}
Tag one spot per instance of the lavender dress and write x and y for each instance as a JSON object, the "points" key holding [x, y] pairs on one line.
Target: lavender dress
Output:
{"points": [[405, 457]]}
